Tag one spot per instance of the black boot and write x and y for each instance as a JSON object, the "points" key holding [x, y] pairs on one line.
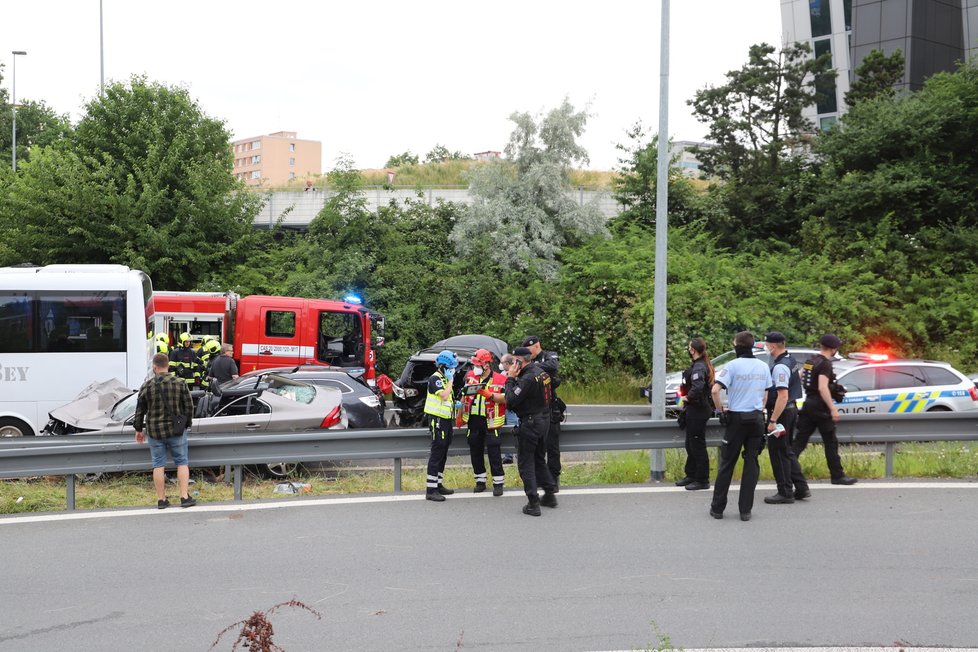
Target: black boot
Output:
{"points": [[497, 490], [479, 487], [445, 491], [432, 494], [549, 499], [531, 509]]}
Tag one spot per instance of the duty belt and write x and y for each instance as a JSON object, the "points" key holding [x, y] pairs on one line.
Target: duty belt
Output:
{"points": [[536, 415]]}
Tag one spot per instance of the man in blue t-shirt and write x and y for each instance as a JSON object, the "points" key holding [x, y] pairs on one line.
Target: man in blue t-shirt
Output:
{"points": [[746, 380]]}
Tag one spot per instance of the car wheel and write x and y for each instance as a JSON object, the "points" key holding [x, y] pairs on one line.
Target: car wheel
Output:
{"points": [[279, 470], [939, 408], [11, 427]]}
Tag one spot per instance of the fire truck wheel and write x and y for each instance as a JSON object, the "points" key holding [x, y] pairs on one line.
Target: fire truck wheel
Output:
{"points": [[277, 470]]}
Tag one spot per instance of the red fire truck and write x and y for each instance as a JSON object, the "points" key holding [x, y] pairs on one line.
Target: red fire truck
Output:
{"points": [[276, 331]]}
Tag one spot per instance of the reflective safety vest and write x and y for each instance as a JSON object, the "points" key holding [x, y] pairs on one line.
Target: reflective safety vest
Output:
{"points": [[434, 405], [495, 413]]}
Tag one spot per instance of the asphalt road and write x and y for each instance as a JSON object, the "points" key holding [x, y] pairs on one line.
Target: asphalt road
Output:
{"points": [[864, 565]]}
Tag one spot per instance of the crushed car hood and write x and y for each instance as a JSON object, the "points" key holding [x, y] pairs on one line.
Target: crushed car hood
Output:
{"points": [[91, 408]]}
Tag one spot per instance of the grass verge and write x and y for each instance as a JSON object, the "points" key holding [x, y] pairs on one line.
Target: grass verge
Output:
{"points": [[923, 460]]}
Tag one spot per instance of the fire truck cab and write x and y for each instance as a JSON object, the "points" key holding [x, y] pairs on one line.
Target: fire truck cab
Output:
{"points": [[269, 331]]}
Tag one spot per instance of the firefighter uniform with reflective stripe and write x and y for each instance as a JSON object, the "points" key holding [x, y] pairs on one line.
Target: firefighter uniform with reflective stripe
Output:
{"points": [[485, 419], [185, 364], [439, 412], [208, 351]]}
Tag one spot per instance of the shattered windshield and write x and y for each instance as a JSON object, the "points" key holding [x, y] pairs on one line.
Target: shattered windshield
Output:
{"points": [[124, 408], [290, 389]]}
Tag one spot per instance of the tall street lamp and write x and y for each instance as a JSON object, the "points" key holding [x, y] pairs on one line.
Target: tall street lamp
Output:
{"points": [[13, 104]]}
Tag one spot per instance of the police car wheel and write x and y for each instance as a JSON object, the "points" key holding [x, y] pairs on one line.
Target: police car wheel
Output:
{"points": [[939, 408]]}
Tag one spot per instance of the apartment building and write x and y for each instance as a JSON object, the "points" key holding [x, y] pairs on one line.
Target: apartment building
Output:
{"points": [[932, 34], [276, 159]]}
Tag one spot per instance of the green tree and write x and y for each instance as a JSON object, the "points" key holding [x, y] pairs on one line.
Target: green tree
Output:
{"points": [[902, 173], [397, 160], [634, 187], [37, 126], [757, 114], [522, 213], [145, 181], [875, 77], [440, 153]]}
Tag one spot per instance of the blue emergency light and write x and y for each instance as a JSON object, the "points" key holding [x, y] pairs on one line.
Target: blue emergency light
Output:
{"points": [[353, 298]]}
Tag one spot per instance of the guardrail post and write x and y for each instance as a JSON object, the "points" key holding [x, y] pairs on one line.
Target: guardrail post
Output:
{"points": [[658, 465], [227, 474], [238, 470], [70, 492], [397, 474], [890, 449]]}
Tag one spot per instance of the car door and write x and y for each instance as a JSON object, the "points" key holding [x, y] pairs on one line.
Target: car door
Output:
{"points": [[902, 388], [862, 396], [279, 338], [242, 415]]}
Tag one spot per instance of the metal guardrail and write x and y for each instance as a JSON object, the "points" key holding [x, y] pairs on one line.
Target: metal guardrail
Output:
{"points": [[80, 454]]}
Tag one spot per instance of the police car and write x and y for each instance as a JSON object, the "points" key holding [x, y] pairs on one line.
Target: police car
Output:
{"points": [[877, 384], [674, 398]]}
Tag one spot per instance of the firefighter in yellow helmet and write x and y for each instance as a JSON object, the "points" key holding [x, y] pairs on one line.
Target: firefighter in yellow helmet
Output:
{"points": [[210, 349], [185, 363], [163, 343]]}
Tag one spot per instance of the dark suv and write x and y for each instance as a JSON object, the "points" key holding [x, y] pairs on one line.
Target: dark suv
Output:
{"points": [[411, 389]]}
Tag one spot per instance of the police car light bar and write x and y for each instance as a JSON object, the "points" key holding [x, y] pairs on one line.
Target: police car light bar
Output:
{"points": [[872, 357]]}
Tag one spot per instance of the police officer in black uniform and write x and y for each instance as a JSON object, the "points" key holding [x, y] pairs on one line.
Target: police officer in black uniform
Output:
{"points": [[528, 393], [782, 408], [698, 408], [550, 362], [819, 410]]}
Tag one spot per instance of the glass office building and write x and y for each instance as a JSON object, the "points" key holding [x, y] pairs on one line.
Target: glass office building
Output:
{"points": [[932, 34]]}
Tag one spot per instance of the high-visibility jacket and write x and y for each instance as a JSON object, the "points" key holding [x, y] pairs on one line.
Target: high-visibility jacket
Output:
{"points": [[495, 413], [185, 364], [435, 405]]}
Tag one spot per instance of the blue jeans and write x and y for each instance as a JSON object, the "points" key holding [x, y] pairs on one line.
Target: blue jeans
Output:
{"points": [[177, 447]]}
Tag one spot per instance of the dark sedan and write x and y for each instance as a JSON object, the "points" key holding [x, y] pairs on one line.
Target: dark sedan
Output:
{"points": [[364, 409]]}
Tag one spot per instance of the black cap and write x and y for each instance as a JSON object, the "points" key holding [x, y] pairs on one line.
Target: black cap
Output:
{"points": [[774, 337], [830, 341], [521, 351], [530, 340]]}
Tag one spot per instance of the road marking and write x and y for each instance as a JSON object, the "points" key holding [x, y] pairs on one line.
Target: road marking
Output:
{"points": [[237, 508], [888, 648]]}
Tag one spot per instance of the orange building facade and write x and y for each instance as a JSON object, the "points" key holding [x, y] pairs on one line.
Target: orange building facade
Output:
{"points": [[276, 159]]}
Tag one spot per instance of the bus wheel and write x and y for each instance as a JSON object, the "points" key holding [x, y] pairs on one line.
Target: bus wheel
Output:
{"points": [[278, 470], [11, 427]]}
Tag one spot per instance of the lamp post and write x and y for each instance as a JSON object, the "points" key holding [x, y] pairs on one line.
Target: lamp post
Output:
{"points": [[13, 105]]}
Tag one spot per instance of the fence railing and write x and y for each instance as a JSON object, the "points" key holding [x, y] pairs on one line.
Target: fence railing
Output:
{"points": [[81, 454]]}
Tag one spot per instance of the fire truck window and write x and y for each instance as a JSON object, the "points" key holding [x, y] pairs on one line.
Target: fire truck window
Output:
{"points": [[280, 324], [340, 338]]}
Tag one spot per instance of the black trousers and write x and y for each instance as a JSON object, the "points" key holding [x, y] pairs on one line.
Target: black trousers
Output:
{"points": [[784, 462], [531, 455], [808, 421], [441, 440], [744, 433], [482, 441], [697, 459], [553, 449]]}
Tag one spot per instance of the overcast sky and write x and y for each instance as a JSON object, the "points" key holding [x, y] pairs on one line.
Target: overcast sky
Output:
{"points": [[376, 78]]}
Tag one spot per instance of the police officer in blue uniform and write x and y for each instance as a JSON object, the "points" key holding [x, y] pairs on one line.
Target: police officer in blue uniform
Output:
{"points": [[746, 380], [782, 409], [528, 393]]}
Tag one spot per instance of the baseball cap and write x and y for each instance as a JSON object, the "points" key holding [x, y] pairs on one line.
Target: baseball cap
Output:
{"points": [[774, 337], [530, 340], [520, 351], [830, 341]]}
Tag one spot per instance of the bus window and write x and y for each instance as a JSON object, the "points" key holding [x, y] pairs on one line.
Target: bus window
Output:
{"points": [[16, 323], [93, 321]]}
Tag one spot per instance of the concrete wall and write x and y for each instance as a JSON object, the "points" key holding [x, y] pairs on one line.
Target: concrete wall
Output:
{"points": [[299, 208]]}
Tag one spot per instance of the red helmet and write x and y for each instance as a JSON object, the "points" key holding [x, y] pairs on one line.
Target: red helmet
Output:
{"points": [[482, 358]]}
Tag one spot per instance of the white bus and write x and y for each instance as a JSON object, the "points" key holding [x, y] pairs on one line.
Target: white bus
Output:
{"points": [[63, 327]]}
